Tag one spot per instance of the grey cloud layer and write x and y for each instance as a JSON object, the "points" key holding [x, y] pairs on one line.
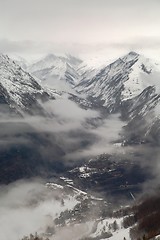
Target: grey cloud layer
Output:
{"points": [[26, 23]]}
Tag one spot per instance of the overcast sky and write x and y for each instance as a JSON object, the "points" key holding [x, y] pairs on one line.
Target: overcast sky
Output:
{"points": [[79, 26]]}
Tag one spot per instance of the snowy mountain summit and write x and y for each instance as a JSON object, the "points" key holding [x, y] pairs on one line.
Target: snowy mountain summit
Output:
{"points": [[121, 80], [57, 71]]}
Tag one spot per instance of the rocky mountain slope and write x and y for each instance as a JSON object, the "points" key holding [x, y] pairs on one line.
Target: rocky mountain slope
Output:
{"points": [[22, 62], [131, 86], [121, 80], [19, 91]]}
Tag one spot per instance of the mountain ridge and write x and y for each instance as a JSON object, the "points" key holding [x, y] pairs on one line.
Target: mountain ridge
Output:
{"points": [[54, 70], [19, 89]]}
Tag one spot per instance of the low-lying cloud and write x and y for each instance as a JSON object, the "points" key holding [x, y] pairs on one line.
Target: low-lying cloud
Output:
{"points": [[70, 125], [28, 207]]}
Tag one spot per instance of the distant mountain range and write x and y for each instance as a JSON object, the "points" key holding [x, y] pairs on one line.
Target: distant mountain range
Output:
{"points": [[29, 147], [129, 86]]}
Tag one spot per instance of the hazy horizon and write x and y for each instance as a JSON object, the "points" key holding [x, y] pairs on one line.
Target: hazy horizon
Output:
{"points": [[99, 28]]}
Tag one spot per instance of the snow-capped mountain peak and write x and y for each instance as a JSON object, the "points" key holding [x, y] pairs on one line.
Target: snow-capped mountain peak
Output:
{"points": [[130, 57], [56, 70], [121, 80], [143, 74]]}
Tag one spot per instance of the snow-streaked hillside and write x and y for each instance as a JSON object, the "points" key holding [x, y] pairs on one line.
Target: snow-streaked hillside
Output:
{"points": [[144, 73], [19, 60], [80, 210], [19, 90], [58, 211]]}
